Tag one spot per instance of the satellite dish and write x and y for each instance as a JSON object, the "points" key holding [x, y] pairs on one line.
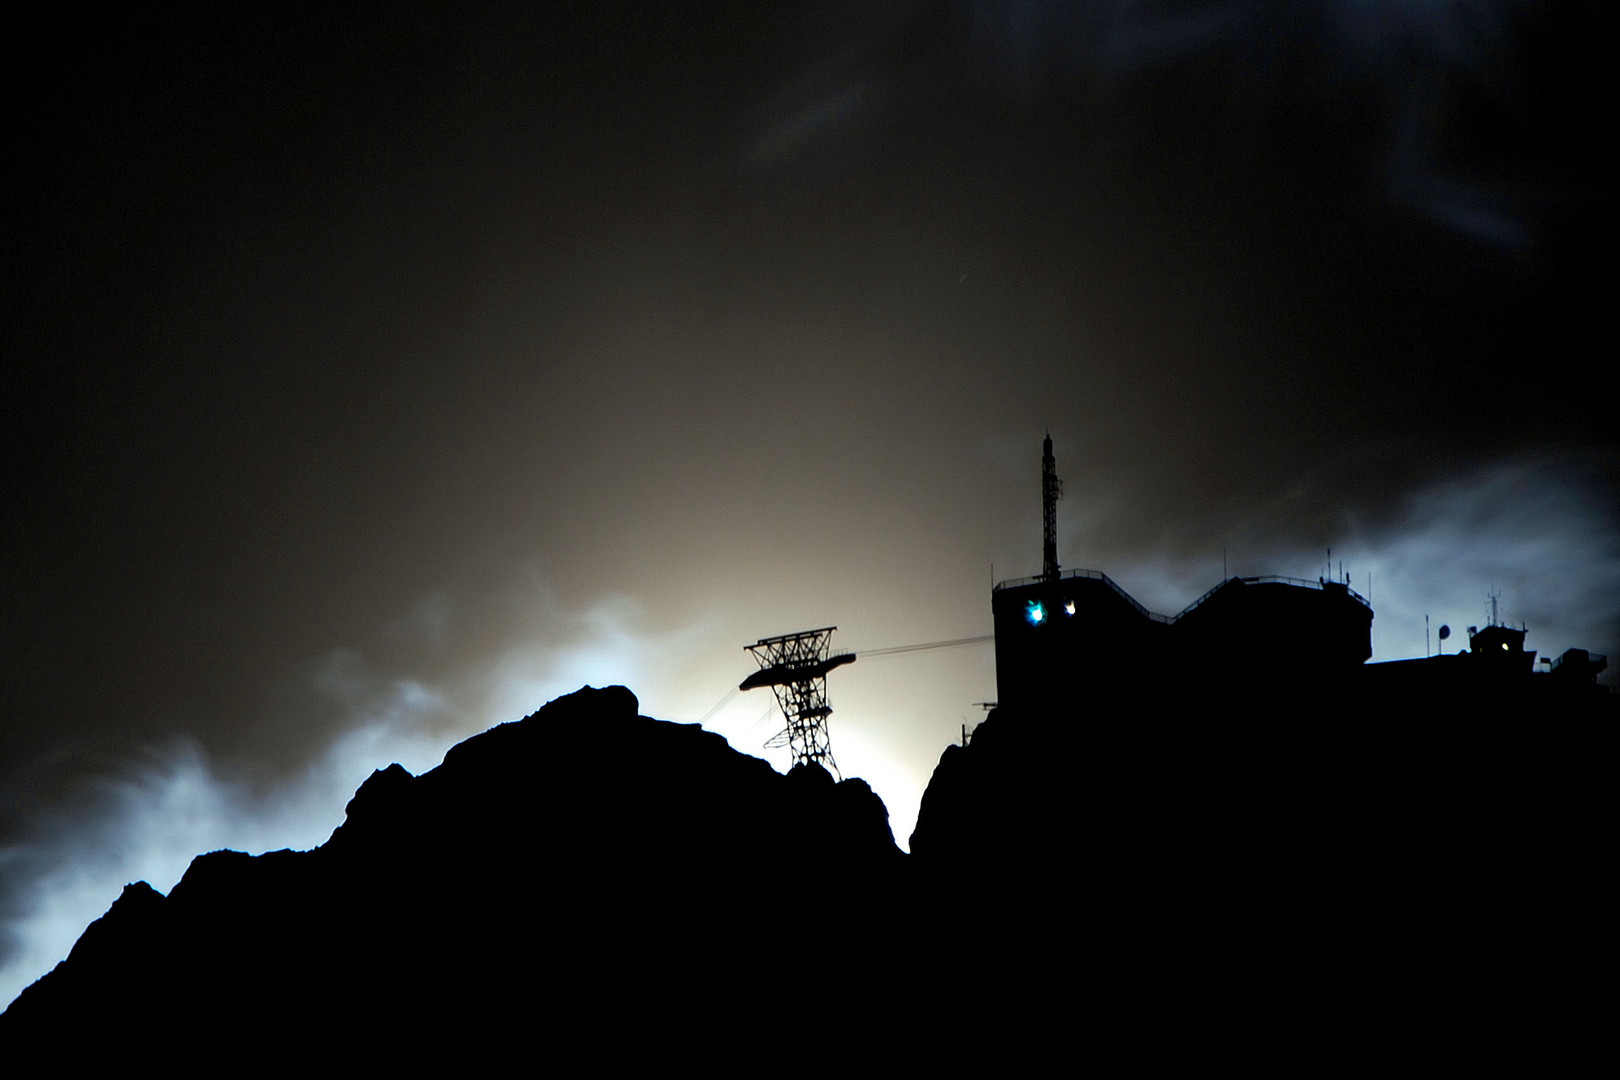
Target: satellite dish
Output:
{"points": [[1445, 632]]}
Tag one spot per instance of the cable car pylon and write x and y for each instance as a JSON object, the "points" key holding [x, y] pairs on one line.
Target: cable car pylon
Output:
{"points": [[795, 667]]}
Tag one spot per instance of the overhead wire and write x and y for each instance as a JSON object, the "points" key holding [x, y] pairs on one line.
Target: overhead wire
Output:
{"points": [[952, 643], [722, 703]]}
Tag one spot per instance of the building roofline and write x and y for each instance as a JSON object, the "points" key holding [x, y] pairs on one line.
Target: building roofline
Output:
{"points": [[1098, 575]]}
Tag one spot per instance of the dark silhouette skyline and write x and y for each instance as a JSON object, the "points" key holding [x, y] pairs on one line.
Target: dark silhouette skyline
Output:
{"points": [[589, 875]]}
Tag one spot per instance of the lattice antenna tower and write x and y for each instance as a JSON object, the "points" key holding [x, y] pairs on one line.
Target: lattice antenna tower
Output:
{"points": [[795, 667], [1051, 492]]}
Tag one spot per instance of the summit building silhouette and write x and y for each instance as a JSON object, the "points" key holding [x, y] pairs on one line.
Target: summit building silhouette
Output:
{"points": [[1270, 644]]}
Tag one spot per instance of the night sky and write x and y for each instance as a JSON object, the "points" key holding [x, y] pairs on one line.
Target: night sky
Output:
{"points": [[376, 372]]}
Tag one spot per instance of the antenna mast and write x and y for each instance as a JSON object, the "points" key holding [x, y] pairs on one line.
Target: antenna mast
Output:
{"points": [[1051, 492], [795, 667]]}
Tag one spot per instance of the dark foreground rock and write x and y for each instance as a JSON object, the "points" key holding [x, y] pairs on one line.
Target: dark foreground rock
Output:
{"points": [[587, 878], [1330, 878], [1324, 884]]}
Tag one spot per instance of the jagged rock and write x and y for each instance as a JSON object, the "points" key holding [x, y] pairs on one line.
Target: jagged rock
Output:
{"points": [[380, 791], [587, 851]]}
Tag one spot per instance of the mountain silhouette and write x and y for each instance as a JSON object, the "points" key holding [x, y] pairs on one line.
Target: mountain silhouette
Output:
{"points": [[560, 874], [603, 888]]}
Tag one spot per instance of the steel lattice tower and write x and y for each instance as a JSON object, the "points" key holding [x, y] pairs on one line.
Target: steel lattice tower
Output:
{"points": [[1051, 492], [795, 667]]}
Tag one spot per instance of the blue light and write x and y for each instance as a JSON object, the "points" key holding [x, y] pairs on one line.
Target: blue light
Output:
{"points": [[1035, 613]]}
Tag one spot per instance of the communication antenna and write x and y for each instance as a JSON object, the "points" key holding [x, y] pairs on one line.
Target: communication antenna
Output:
{"points": [[1051, 492], [1493, 596], [795, 667]]}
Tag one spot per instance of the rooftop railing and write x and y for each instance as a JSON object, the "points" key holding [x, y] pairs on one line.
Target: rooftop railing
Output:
{"points": [[1098, 575], [1095, 575], [1596, 661]]}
